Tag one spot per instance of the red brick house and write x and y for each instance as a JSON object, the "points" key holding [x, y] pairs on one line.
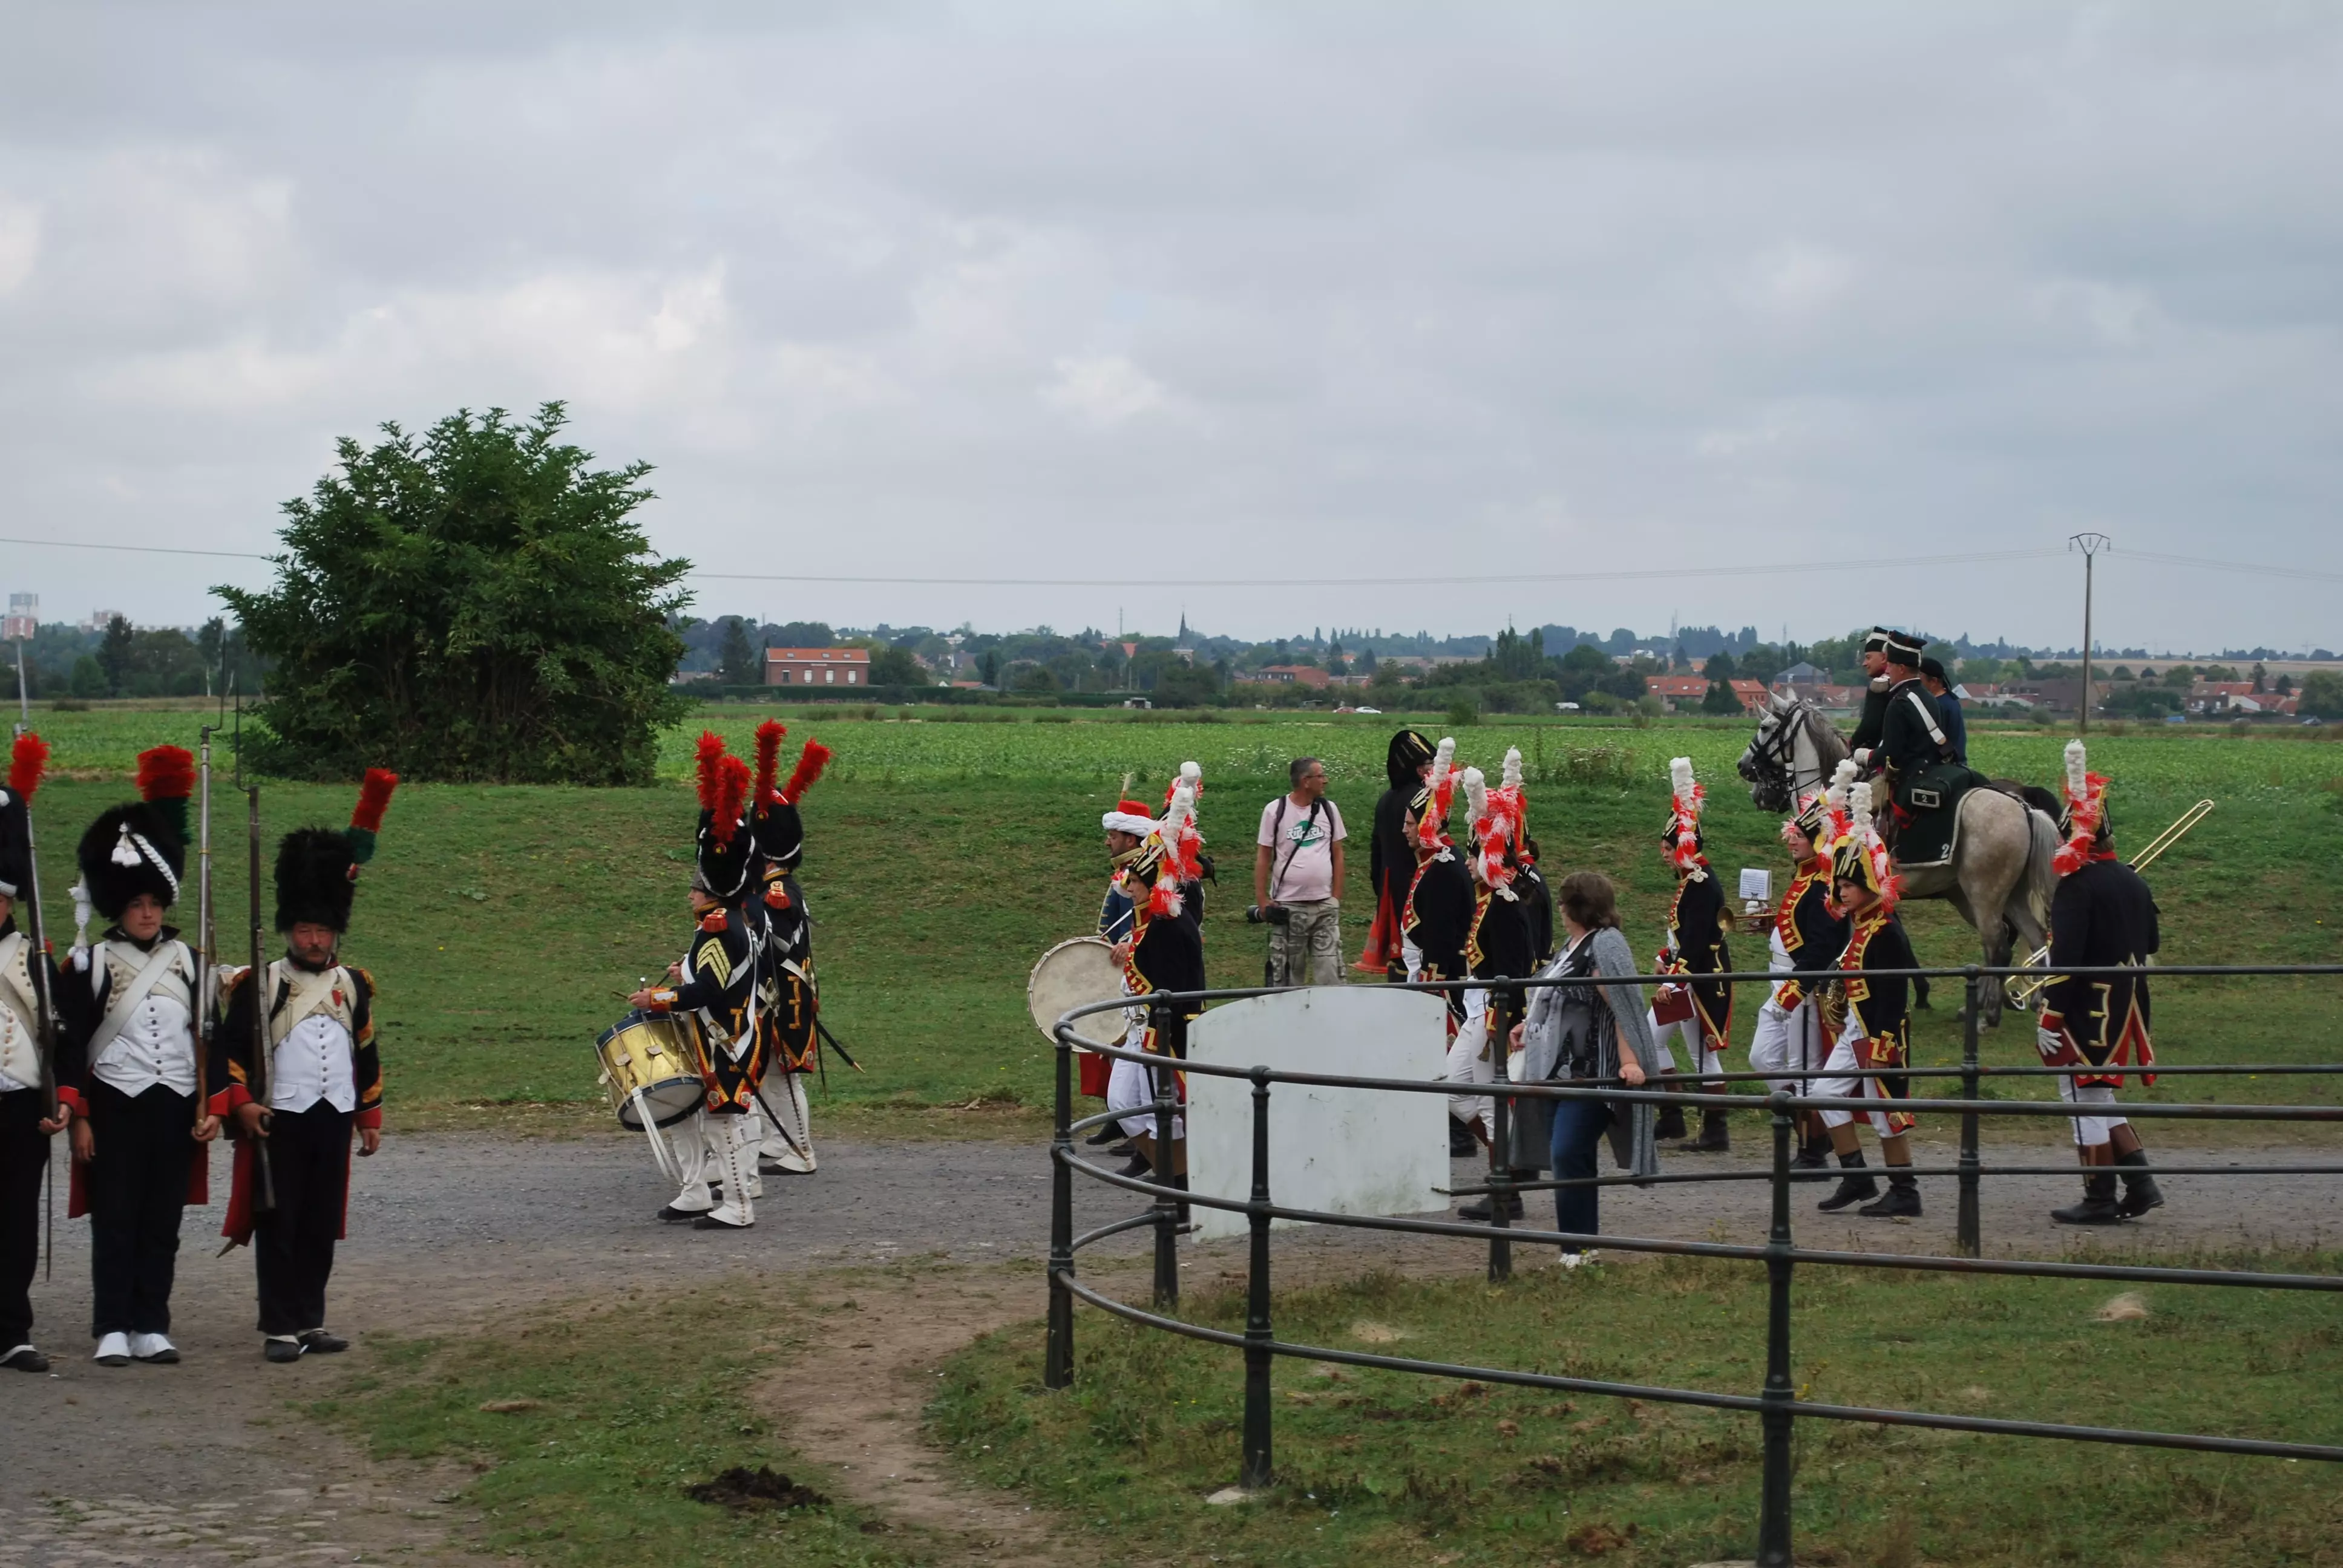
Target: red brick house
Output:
{"points": [[817, 666], [1308, 675]]}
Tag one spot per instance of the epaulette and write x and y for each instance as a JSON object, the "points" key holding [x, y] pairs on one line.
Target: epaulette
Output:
{"points": [[713, 920]]}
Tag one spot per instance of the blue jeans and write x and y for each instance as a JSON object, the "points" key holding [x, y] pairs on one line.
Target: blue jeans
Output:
{"points": [[1578, 1129]]}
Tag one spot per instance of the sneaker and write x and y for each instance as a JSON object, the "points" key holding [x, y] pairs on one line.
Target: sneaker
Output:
{"points": [[319, 1341], [25, 1358], [156, 1350], [113, 1350], [283, 1348]]}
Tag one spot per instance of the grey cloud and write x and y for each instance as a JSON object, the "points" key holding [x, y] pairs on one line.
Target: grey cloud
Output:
{"points": [[1320, 291]]}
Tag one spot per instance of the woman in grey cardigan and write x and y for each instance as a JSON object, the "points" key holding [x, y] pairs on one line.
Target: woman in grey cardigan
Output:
{"points": [[1589, 1032]]}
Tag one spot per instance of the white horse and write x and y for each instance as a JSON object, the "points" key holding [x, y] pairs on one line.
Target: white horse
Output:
{"points": [[1999, 878]]}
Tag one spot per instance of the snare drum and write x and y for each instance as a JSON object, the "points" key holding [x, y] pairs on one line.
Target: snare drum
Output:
{"points": [[651, 1066]]}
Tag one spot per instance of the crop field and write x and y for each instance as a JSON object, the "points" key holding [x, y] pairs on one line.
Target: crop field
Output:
{"points": [[504, 924]]}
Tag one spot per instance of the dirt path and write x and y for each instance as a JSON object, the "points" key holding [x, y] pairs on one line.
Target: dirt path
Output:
{"points": [[451, 1230]]}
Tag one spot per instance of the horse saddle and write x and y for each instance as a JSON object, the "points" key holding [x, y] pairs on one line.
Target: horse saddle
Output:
{"points": [[1931, 799]]}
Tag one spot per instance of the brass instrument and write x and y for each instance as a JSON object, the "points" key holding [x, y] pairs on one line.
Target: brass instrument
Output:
{"points": [[2025, 992]]}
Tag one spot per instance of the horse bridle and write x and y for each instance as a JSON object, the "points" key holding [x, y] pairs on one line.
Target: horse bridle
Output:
{"points": [[1771, 761]]}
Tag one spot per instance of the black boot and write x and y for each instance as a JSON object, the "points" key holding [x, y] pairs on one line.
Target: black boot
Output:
{"points": [[1854, 1187], [2098, 1204], [1479, 1207], [1462, 1145], [2140, 1192], [1671, 1122], [1108, 1132], [1715, 1139], [1138, 1166], [1813, 1154], [1902, 1203]]}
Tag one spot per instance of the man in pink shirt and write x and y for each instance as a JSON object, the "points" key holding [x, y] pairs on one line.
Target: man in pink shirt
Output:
{"points": [[1297, 880]]}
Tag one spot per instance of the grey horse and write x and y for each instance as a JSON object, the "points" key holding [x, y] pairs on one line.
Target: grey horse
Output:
{"points": [[1999, 878]]}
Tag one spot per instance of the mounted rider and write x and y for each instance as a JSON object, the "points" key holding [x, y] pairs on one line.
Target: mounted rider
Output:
{"points": [[1873, 653], [1915, 761]]}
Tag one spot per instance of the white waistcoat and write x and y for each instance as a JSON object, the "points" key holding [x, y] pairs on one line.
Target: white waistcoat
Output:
{"points": [[315, 1040], [153, 1042], [20, 1059]]}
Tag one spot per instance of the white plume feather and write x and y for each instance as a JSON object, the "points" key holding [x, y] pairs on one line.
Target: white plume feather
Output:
{"points": [[1192, 774], [2077, 769], [1476, 794], [1513, 775], [1842, 782], [1680, 777], [1858, 809]]}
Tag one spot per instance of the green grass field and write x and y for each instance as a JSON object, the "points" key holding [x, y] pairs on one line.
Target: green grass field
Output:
{"points": [[504, 925], [1387, 1466]]}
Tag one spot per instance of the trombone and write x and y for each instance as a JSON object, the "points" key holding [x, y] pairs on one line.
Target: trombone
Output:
{"points": [[2022, 994]]}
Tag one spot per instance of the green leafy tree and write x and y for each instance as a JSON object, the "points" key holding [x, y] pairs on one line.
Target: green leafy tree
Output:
{"points": [[1720, 697], [473, 604], [735, 658], [2322, 695], [88, 677], [114, 654], [1720, 667], [896, 667]]}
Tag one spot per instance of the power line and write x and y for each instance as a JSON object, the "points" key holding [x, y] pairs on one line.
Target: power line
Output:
{"points": [[1767, 569]]}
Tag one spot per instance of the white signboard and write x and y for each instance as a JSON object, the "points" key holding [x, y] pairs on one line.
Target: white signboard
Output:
{"points": [[1343, 1151]]}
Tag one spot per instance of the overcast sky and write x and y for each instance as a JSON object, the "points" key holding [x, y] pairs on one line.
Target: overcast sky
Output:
{"points": [[1273, 293]]}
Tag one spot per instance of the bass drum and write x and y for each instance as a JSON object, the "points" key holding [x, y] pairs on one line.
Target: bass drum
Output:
{"points": [[1074, 974], [651, 1064]]}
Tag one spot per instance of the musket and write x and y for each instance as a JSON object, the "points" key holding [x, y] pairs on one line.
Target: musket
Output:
{"points": [[256, 1075], [45, 1020], [207, 937]]}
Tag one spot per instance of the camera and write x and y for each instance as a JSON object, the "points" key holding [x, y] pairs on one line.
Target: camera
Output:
{"points": [[1267, 914]]}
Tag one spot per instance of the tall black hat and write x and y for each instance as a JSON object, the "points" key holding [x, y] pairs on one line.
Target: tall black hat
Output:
{"points": [[1875, 639], [724, 851], [317, 868], [129, 850], [1409, 751], [1903, 648]]}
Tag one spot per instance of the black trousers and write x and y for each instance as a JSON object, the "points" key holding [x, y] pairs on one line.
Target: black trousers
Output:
{"points": [[24, 1157], [293, 1244], [137, 1187]]}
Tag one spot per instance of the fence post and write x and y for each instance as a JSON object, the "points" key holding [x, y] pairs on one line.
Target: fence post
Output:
{"points": [[1255, 1474], [1058, 1359], [1966, 1240], [1167, 1211], [1774, 1515], [1496, 1017]]}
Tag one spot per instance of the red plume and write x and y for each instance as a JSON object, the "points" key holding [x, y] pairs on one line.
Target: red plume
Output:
{"points": [[711, 750], [769, 757], [732, 791], [26, 762], [374, 798], [811, 762], [166, 773]]}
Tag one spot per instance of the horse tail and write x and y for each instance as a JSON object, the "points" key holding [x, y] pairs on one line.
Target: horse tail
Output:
{"points": [[2041, 877]]}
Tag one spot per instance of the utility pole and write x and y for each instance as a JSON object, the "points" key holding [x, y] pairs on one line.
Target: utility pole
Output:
{"points": [[2090, 545]]}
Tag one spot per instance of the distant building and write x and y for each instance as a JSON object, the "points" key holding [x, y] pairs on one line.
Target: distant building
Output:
{"points": [[1752, 694], [1308, 675], [1678, 693], [99, 620], [23, 622], [1803, 674], [817, 666]]}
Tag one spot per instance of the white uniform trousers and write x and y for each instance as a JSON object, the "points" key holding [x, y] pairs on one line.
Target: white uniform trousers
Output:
{"points": [[2090, 1132], [1786, 1041], [1843, 1059], [1130, 1087], [787, 1143], [713, 1152], [1704, 1062], [1470, 1060]]}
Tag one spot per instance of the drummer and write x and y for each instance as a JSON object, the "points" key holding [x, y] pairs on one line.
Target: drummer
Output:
{"points": [[1126, 827], [1164, 953]]}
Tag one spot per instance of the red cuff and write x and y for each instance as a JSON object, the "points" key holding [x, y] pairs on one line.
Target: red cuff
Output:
{"points": [[662, 1001], [68, 1095], [224, 1102], [371, 1117]]}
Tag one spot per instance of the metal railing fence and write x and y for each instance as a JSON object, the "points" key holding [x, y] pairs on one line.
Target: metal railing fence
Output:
{"points": [[1775, 1406]]}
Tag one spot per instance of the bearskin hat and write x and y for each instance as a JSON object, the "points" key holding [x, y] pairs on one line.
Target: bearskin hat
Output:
{"points": [[28, 760], [317, 868], [1409, 751], [724, 850], [141, 847]]}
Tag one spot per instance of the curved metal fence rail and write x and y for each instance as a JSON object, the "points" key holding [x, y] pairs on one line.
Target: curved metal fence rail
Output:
{"points": [[1776, 1405]]}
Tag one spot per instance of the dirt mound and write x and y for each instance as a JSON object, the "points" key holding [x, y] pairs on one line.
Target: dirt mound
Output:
{"points": [[746, 1489]]}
